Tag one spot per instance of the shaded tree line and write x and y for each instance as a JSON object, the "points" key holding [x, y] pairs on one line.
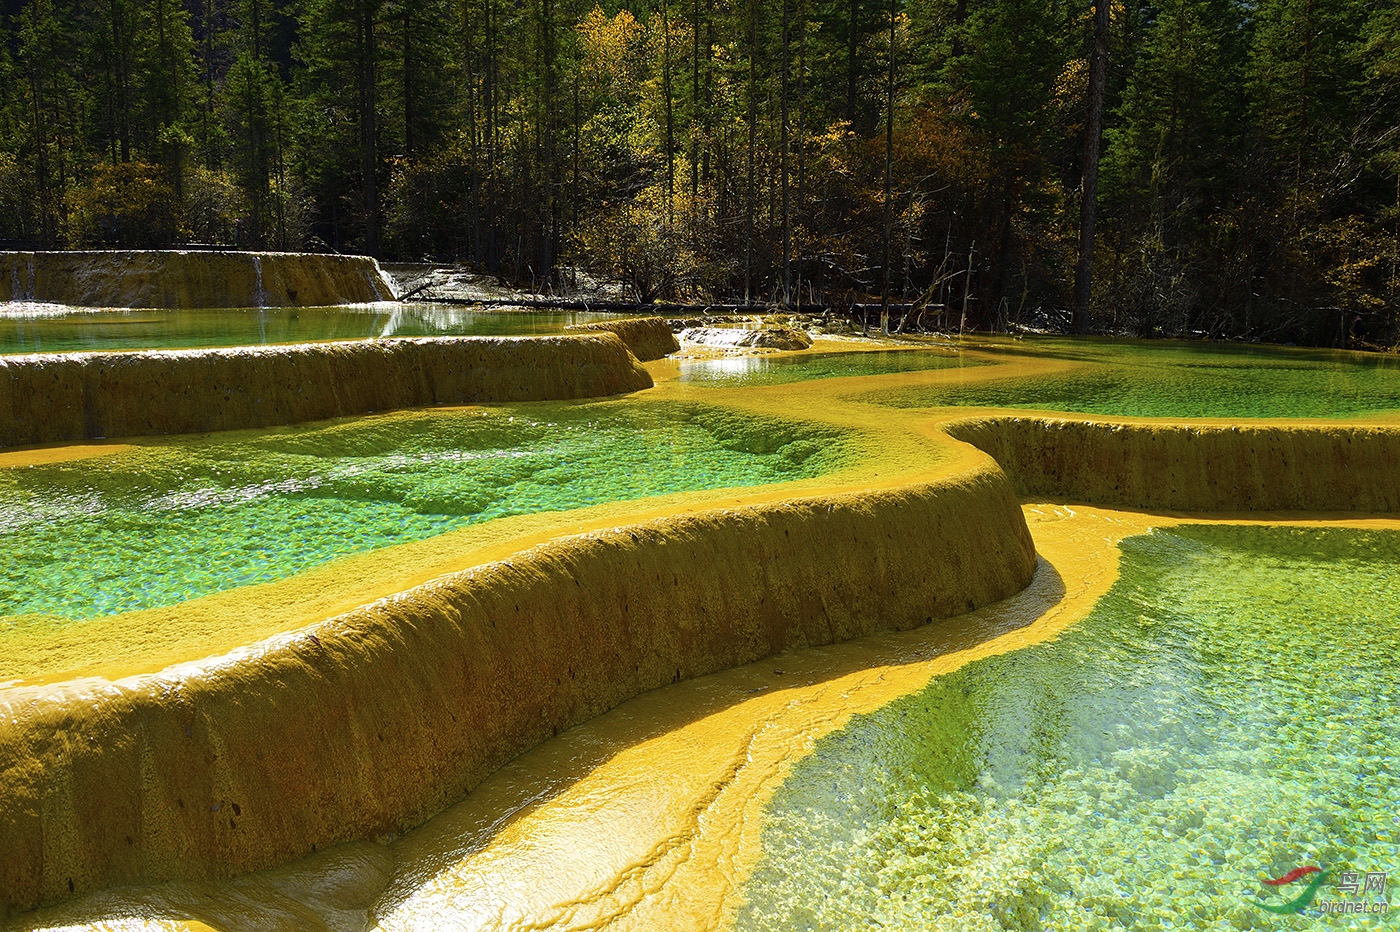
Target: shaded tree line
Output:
{"points": [[1241, 157]]}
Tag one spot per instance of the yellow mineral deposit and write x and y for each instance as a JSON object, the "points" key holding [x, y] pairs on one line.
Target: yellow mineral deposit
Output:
{"points": [[1198, 466], [606, 825], [177, 748], [54, 398], [163, 278], [647, 337], [647, 817], [43, 456]]}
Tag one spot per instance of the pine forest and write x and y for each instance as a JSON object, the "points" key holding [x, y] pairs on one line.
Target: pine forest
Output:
{"points": [[1218, 168]]}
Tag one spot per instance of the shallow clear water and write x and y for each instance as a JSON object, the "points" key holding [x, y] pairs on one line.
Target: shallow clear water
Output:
{"points": [[1143, 771], [175, 520], [778, 370], [1138, 379], [29, 328]]}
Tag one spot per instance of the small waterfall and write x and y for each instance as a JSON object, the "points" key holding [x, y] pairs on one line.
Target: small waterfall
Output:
{"points": [[191, 279], [259, 296], [375, 277]]}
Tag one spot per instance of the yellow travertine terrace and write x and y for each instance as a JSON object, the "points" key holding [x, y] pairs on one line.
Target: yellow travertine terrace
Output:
{"points": [[575, 719], [174, 278], [51, 398]]}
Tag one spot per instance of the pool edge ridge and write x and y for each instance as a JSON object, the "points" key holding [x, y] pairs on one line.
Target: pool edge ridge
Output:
{"points": [[183, 278], [367, 724], [1184, 466], [649, 338], [61, 398]]}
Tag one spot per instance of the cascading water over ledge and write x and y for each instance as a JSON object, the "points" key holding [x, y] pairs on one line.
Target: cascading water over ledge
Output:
{"points": [[175, 279]]}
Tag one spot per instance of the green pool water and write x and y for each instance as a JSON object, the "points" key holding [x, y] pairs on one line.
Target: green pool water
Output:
{"points": [[183, 518], [778, 370], [55, 329], [1143, 771], [1138, 379]]}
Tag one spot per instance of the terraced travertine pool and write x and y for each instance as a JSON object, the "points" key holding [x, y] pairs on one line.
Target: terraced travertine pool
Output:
{"points": [[1173, 710], [166, 521], [155, 544], [1225, 713], [1132, 378], [50, 328]]}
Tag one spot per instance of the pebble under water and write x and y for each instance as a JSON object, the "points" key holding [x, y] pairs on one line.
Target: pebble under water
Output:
{"points": [[1225, 714], [172, 520]]}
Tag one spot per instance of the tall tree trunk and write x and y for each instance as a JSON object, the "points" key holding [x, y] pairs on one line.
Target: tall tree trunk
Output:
{"points": [[493, 257], [783, 117], [852, 42], [409, 118], [1088, 205], [889, 179], [709, 107], [967, 288], [257, 164], [548, 145], [695, 120], [801, 135], [670, 110], [473, 133], [1395, 247], [41, 136], [279, 166], [753, 130], [578, 128], [368, 156], [121, 80], [169, 94]]}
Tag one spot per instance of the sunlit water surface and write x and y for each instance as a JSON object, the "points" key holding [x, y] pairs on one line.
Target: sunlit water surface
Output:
{"points": [[779, 370], [173, 520], [40, 328], [1225, 714], [1167, 379]]}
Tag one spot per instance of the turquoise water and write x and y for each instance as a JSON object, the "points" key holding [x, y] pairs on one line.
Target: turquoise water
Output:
{"points": [[779, 370], [55, 329], [1137, 379], [1225, 714], [179, 519]]}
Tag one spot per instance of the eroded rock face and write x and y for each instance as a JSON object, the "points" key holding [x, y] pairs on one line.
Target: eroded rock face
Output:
{"points": [[371, 721], [1195, 467], [172, 278], [64, 397], [770, 337], [647, 337]]}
